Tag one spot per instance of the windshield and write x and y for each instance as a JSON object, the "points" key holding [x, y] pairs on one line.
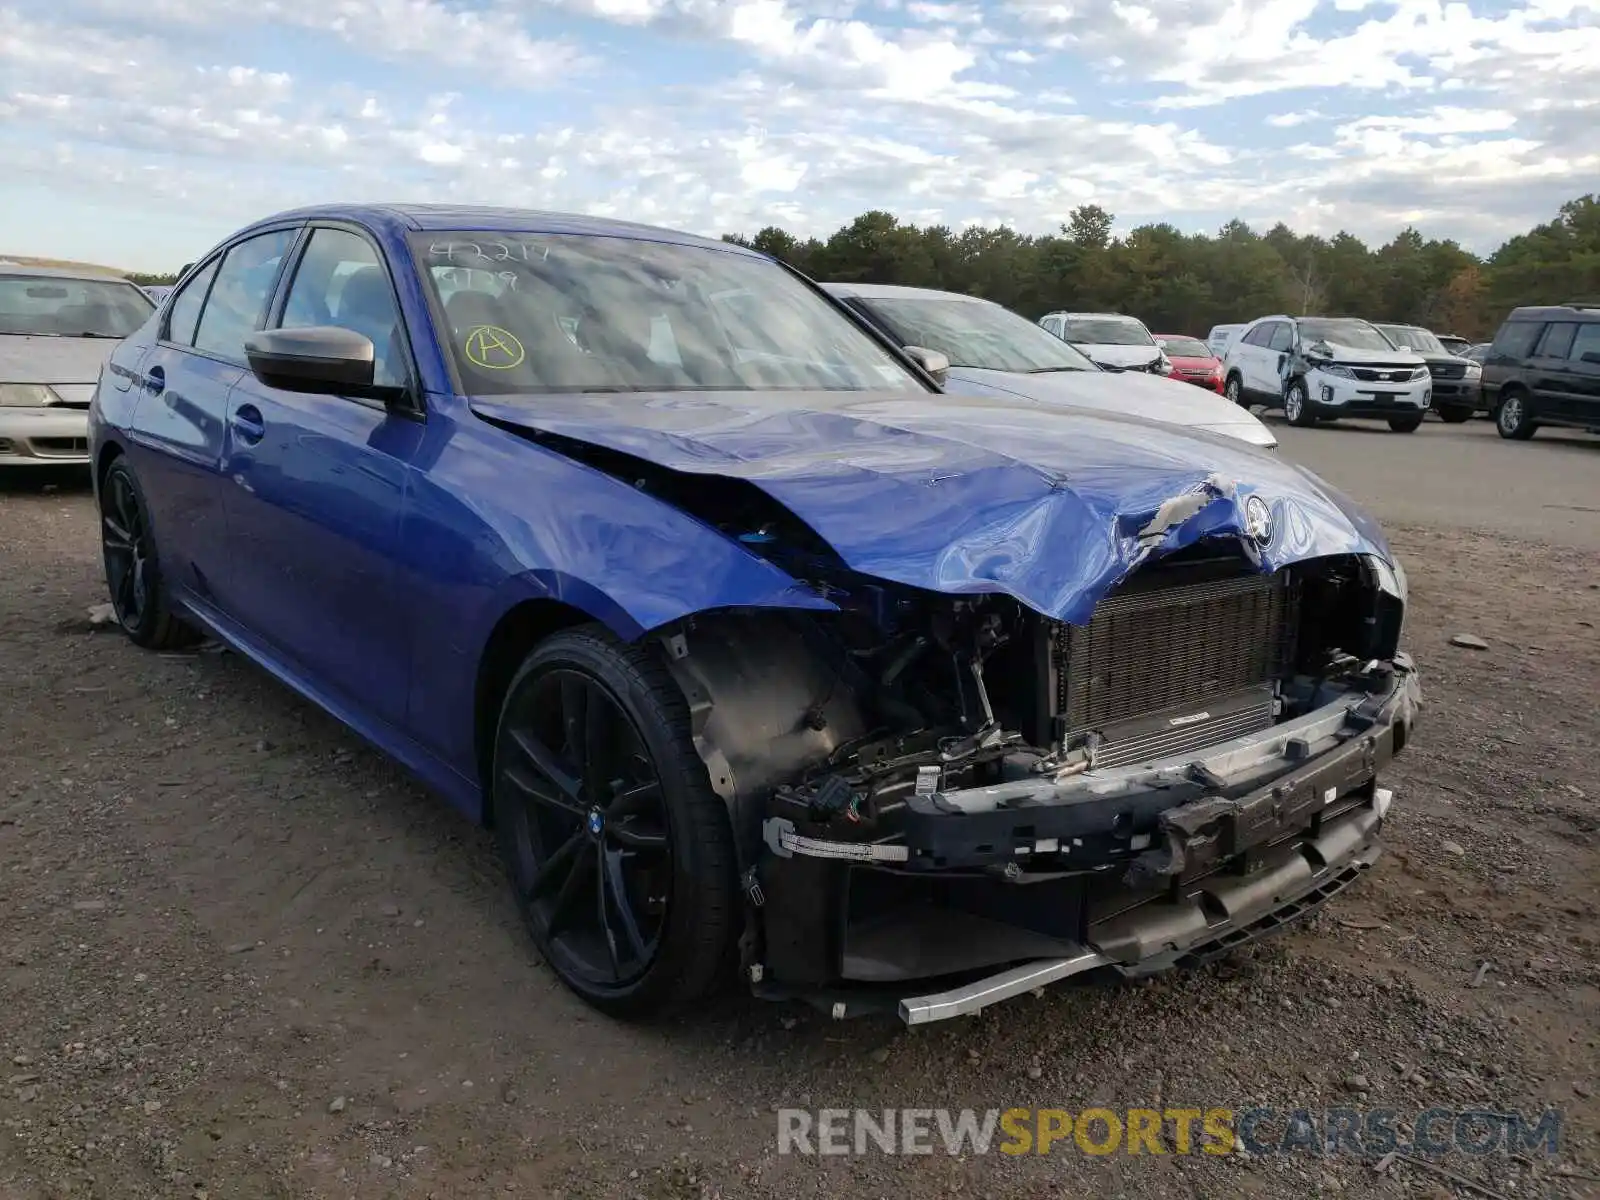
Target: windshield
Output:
{"points": [[1185, 347], [975, 333], [54, 306], [533, 312], [1413, 339], [1106, 331], [1357, 335]]}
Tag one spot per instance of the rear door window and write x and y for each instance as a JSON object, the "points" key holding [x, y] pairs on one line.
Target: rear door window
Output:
{"points": [[1586, 345], [1516, 338], [238, 299], [1282, 337], [1557, 341], [183, 314]]}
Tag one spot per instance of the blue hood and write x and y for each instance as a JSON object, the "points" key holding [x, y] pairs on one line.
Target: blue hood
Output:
{"points": [[961, 494]]}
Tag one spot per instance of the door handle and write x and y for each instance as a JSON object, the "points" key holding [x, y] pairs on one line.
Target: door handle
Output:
{"points": [[155, 381], [248, 425]]}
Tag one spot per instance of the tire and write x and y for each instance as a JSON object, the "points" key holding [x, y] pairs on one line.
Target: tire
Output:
{"points": [[133, 565], [1297, 405], [1233, 390], [1406, 424], [1454, 416], [1512, 420], [620, 855]]}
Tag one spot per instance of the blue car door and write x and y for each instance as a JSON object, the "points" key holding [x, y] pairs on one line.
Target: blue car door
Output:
{"points": [[183, 384], [317, 485]]}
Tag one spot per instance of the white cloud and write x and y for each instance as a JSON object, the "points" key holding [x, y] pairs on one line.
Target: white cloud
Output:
{"points": [[805, 115]]}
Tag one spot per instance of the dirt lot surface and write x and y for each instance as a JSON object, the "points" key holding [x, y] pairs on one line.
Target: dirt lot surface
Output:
{"points": [[241, 955]]}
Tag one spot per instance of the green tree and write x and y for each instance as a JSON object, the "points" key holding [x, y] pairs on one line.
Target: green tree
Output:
{"points": [[1189, 282]]}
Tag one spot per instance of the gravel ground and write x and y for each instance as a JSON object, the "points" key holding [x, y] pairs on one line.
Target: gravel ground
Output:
{"points": [[241, 955]]}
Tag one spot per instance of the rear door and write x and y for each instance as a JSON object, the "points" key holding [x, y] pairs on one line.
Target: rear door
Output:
{"points": [[1276, 358], [317, 488], [177, 424], [1583, 368], [1251, 353], [1551, 372]]}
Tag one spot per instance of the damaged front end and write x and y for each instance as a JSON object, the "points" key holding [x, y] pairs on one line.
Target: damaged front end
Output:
{"points": [[941, 801]]}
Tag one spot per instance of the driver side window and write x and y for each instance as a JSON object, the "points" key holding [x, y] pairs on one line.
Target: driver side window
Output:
{"points": [[340, 281], [1282, 337]]}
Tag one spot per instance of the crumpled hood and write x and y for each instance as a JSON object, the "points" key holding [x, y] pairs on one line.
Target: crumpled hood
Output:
{"points": [[1127, 393], [961, 494], [1113, 355], [1351, 354], [30, 358]]}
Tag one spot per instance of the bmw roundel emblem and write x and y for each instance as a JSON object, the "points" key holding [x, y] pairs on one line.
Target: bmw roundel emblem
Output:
{"points": [[1258, 520], [596, 822]]}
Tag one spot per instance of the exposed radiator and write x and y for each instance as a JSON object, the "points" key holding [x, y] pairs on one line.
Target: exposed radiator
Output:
{"points": [[1176, 667]]}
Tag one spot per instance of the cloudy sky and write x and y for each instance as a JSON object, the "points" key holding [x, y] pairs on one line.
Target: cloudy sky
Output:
{"points": [[137, 132]]}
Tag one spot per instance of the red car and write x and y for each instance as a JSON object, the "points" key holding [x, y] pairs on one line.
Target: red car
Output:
{"points": [[1192, 360]]}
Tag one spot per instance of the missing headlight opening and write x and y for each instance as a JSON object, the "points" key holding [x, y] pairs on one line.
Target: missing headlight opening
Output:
{"points": [[933, 786]]}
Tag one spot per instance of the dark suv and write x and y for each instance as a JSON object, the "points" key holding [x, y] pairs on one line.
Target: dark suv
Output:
{"points": [[1543, 368], [1457, 393]]}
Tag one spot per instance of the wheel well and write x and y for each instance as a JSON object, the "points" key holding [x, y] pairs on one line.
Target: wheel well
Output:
{"points": [[109, 453], [516, 634]]}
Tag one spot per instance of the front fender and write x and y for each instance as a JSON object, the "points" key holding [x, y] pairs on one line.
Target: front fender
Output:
{"points": [[494, 520]]}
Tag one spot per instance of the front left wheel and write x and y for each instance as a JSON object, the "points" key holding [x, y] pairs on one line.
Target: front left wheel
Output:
{"points": [[1297, 405], [620, 854]]}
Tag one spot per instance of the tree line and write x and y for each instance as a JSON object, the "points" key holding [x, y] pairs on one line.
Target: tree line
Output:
{"points": [[1186, 283]]}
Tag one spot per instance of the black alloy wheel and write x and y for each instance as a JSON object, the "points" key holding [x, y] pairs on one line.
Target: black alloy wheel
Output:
{"points": [[133, 568], [618, 851]]}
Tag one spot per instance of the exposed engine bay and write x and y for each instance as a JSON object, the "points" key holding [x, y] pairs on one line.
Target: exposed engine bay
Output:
{"points": [[953, 786], [932, 785]]}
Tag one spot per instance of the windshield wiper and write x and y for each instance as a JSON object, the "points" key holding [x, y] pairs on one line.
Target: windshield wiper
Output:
{"points": [[1051, 370], [90, 333]]}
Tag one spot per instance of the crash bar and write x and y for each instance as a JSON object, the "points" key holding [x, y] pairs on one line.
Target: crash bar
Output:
{"points": [[978, 995]]}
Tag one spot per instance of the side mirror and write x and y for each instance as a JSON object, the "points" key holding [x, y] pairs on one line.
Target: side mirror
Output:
{"points": [[324, 359], [931, 361]]}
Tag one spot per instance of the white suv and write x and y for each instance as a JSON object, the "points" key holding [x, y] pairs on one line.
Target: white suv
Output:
{"points": [[1325, 368], [1111, 340]]}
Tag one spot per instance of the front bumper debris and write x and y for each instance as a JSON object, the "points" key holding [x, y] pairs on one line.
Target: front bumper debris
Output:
{"points": [[1239, 840]]}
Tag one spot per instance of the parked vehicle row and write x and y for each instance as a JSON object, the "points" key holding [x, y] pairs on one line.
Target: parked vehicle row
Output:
{"points": [[987, 350], [751, 643], [1324, 368], [1542, 368]]}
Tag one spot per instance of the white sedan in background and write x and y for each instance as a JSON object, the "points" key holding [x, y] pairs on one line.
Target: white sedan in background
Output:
{"points": [[994, 352], [57, 328]]}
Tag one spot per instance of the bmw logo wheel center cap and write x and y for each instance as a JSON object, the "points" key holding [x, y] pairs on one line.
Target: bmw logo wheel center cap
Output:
{"points": [[596, 822]]}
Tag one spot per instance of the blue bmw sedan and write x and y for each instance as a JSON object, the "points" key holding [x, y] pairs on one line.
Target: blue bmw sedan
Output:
{"points": [[758, 651]]}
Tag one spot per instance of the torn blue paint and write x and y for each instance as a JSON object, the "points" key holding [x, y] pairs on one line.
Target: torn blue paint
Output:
{"points": [[962, 495]]}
